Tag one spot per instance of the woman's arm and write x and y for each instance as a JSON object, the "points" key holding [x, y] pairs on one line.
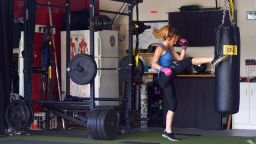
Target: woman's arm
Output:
{"points": [[157, 54], [177, 56]]}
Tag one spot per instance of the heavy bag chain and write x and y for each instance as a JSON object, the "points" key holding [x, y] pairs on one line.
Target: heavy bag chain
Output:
{"points": [[226, 9]]}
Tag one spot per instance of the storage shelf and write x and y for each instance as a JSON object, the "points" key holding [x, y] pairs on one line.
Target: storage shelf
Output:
{"points": [[150, 73], [184, 75], [146, 54]]}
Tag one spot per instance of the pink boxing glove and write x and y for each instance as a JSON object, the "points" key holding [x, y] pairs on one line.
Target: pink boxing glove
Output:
{"points": [[183, 43], [166, 71]]}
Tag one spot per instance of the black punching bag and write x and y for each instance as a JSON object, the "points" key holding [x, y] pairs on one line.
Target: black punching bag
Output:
{"points": [[227, 74]]}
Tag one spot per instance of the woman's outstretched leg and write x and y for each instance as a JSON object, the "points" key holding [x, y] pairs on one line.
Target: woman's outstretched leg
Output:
{"points": [[198, 61]]}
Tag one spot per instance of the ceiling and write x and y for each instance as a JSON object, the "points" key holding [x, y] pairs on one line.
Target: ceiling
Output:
{"points": [[111, 5]]}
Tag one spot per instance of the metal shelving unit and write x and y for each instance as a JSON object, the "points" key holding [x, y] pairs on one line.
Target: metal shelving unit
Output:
{"points": [[128, 85]]}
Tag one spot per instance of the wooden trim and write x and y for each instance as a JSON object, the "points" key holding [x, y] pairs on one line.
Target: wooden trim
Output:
{"points": [[184, 75]]}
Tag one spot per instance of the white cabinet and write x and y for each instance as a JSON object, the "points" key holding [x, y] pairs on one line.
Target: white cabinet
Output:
{"points": [[246, 117], [253, 105]]}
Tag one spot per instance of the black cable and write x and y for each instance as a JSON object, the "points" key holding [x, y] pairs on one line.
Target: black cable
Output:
{"points": [[137, 35]]}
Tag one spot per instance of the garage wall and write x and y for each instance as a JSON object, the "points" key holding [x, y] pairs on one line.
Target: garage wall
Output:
{"points": [[157, 10], [247, 32]]}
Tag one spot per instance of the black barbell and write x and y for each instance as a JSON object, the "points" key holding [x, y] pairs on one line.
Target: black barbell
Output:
{"points": [[102, 123], [83, 69]]}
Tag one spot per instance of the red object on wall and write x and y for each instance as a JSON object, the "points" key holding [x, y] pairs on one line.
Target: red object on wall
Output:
{"points": [[42, 18], [153, 11]]}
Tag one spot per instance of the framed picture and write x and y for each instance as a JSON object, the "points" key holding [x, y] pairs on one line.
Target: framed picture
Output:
{"points": [[146, 38], [251, 15]]}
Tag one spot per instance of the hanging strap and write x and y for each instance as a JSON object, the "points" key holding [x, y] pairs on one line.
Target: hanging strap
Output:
{"points": [[227, 10], [232, 10]]}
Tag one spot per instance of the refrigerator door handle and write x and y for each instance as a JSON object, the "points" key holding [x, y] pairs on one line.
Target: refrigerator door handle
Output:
{"points": [[99, 48], [99, 71]]}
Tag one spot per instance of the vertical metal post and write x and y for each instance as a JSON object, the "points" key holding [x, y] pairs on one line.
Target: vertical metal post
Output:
{"points": [[26, 80], [92, 86], [128, 92], [67, 45], [137, 96], [29, 23]]}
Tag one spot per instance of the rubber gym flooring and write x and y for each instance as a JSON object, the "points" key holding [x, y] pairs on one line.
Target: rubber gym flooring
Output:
{"points": [[139, 137]]}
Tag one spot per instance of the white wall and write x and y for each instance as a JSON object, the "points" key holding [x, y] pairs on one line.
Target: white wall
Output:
{"points": [[162, 7], [121, 24], [158, 10], [247, 32]]}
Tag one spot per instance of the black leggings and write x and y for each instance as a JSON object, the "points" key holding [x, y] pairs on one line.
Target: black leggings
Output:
{"points": [[166, 82]]}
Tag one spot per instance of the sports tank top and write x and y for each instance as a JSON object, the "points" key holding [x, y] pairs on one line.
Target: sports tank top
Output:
{"points": [[166, 59]]}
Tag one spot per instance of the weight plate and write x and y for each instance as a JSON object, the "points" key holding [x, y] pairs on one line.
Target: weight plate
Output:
{"points": [[107, 124], [137, 72], [92, 124], [82, 69], [124, 68], [102, 124], [18, 115]]}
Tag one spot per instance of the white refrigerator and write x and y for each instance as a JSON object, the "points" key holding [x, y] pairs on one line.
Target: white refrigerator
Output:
{"points": [[106, 56]]}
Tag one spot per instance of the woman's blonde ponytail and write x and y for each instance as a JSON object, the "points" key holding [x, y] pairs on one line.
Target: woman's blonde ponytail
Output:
{"points": [[165, 32]]}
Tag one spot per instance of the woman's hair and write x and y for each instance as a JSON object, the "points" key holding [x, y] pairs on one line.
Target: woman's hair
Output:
{"points": [[165, 32]]}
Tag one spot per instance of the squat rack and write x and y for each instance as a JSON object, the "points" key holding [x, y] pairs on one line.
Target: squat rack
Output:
{"points": [[128, 86], [29, 22]]}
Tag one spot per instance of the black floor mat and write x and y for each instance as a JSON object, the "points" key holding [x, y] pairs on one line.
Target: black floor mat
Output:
{"points": [[36, 142], [134, 142]]}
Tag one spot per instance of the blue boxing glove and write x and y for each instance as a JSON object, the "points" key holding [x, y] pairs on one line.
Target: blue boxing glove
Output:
{"points": [[183, 43]]}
